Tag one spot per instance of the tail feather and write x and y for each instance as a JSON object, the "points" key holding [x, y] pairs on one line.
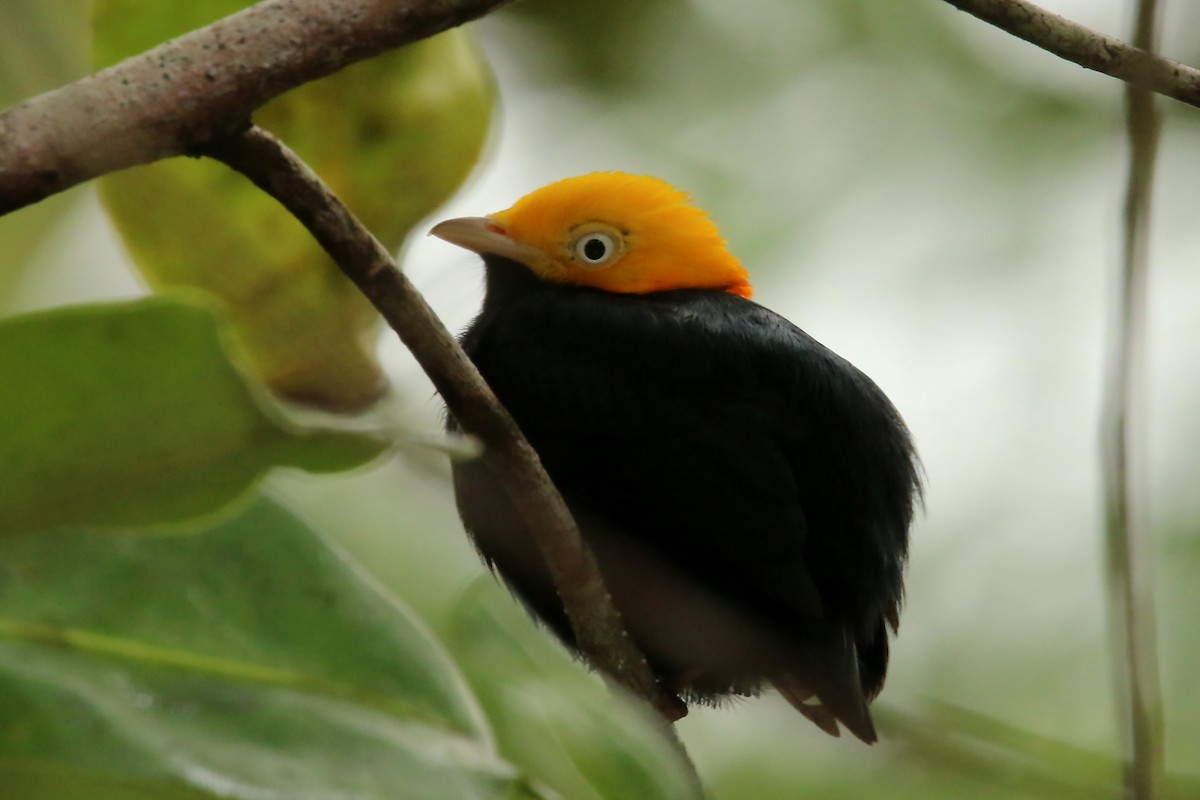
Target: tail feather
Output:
{"points": [[826, 687], [801, 700]]}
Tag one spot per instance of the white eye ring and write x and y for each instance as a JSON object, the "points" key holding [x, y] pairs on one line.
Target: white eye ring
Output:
{"points": [[595, 248]]}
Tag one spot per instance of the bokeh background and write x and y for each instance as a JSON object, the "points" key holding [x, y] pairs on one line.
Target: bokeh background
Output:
{"points": [[931, 198]]}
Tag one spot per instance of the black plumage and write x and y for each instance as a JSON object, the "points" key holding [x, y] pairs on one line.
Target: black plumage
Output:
{"points": [[747, 491]]}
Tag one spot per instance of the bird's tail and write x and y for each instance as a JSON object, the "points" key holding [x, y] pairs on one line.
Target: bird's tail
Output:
{"points": [[855, 717], [827, 688]]}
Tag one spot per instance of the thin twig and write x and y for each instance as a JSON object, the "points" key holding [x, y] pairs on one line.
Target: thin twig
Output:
{"points": [[1129, 576], [597, 625], [200, 86], [1088, 48]]}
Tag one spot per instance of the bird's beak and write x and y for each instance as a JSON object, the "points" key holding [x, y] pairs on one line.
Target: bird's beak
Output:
{"points": [[486, 237]]}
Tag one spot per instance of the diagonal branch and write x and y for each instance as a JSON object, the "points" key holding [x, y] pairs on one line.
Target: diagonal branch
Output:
{"points": [[1088, 48], [200, 86], [597, 625]]}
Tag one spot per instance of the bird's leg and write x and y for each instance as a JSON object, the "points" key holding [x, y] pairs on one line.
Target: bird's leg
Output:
{"points": [[672, 707], [676, 685]]}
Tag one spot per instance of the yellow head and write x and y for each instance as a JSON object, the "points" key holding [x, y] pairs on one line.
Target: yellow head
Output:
{"points": [[607, 230]]}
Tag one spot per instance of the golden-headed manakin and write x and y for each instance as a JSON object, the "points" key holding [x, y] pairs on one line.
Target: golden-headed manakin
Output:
{"points": [[747, 492]]}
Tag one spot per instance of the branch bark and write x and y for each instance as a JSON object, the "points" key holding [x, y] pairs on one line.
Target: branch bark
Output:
{"points": [[1088, 48], [191, 90]]}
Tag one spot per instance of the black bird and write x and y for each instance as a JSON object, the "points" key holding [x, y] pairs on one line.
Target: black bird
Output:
{"points": [[747, 492]]}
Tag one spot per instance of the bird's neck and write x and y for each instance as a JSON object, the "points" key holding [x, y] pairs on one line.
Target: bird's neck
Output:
{"points": [[507, 281]]}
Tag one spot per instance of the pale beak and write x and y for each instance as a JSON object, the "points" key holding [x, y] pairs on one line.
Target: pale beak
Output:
{"points": [[485, 236]]}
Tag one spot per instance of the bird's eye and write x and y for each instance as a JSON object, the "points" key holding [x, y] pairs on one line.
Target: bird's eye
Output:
{"points": [[595, 248]]}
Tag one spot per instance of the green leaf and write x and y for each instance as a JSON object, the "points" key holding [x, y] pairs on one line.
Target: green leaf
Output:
{"points": [[551, 718], [249, 661], [32, 780], [394, 137], [42, 45], [132, 414]]}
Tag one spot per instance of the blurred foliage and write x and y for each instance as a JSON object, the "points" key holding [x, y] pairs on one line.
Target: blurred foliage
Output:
{"points": [[551, 719], [42, 45], [275, 671], [30, 781], [1179, 597], [721, 95], [928, 192], [131, 414], [394, 137]]}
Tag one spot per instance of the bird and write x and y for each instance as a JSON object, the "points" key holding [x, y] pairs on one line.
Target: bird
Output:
{"points": [[747, 492]]}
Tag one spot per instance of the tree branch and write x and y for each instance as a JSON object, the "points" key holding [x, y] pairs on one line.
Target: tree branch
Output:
{"points": [[200, 86], [1088, 48], [598, 629], [1127, 545]]}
